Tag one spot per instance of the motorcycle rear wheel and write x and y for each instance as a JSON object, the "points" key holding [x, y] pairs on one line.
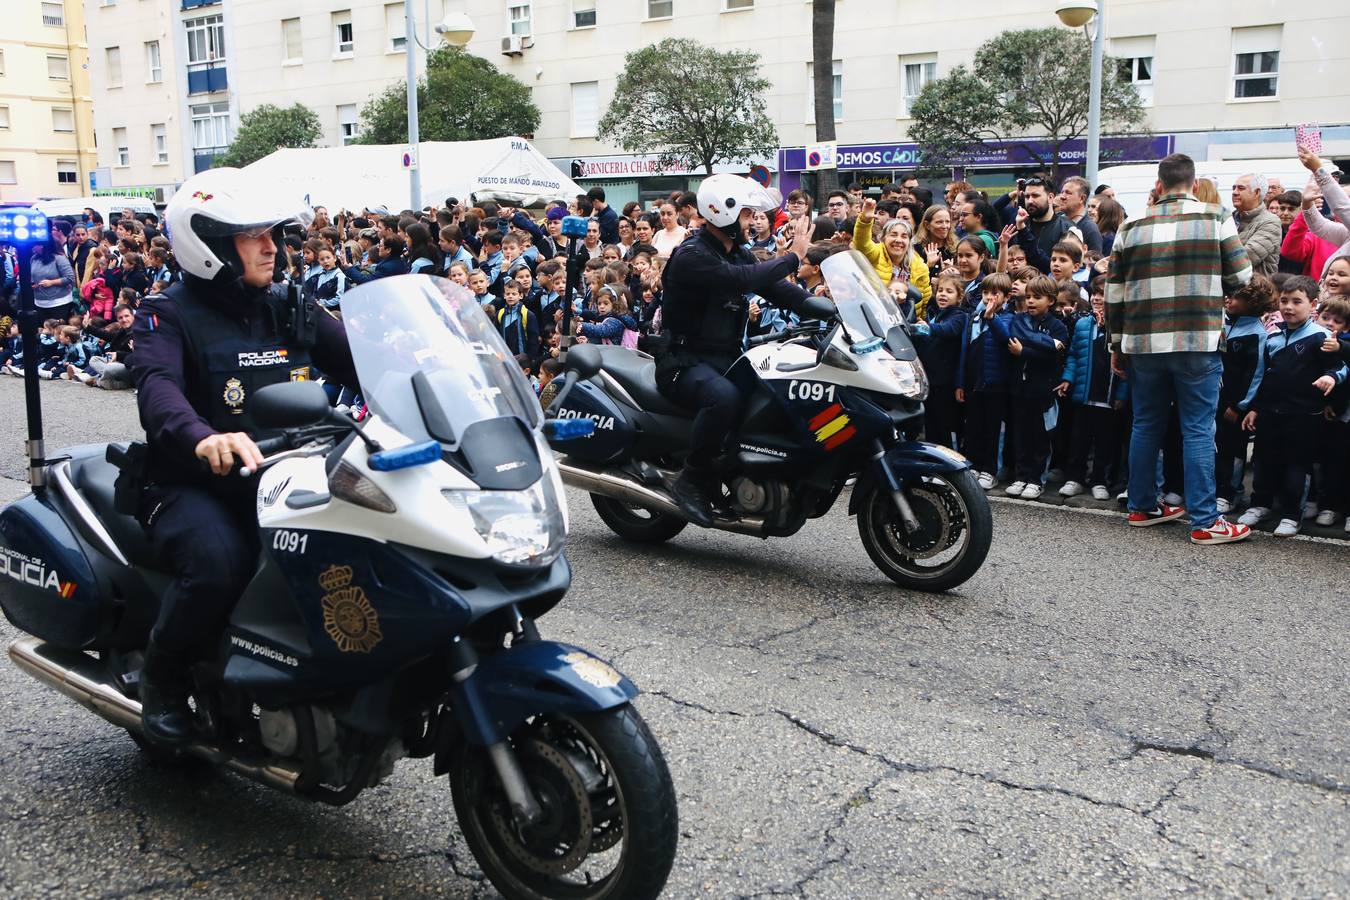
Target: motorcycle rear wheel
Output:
{"points": [[608, 803], [636, 523], [952, 510]]}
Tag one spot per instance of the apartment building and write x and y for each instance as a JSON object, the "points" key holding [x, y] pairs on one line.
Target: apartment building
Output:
{"points": [[46, 119]]}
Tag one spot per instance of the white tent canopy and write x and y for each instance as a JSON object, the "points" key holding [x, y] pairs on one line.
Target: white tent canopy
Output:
{"points": [[506, 169]]}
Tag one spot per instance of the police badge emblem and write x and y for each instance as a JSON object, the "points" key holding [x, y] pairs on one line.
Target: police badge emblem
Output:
{"points": [[234, 395]]}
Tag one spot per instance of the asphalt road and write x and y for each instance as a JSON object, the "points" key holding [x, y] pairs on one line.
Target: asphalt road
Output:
{"points": [[1099, 712]]}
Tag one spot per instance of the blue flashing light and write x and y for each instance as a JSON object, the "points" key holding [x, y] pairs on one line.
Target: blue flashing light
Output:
{"points": [[23, 225], [871, 345], [406, 457], [574, 226], [568, 429]]}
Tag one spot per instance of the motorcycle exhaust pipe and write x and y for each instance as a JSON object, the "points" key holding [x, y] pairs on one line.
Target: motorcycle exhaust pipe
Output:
{"points": [[76, 675], [618, 487]]}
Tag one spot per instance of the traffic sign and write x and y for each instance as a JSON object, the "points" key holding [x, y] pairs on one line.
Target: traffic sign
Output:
{"points": [[410, 156], [824, 155]]}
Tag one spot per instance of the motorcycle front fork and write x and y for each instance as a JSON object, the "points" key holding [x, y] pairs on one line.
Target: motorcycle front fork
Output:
{"points": [[895, 487], [463, 663]]}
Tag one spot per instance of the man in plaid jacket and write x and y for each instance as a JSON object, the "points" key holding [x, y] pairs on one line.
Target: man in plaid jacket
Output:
{"points": [[1170, 270]]}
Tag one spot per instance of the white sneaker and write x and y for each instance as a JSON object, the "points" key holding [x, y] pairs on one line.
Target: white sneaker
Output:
{"points": [[45, 374], [16, 371], [1326, 517], [1100, 492], [986, 481], [1032, 491], [1071, 489], [1347, 524], [1015, 489], [1309, 510], [1254, 515], [1287, 528], [1123, 496], [1173, 499], [1224, 506]]}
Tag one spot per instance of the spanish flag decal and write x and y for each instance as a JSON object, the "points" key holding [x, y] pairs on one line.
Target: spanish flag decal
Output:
{"points": [[832, 427]]}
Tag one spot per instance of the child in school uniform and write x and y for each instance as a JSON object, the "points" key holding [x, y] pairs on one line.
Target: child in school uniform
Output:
{"points": [[1098, 398], [1243, 363], [983, 371], [939, 346], [1037, 339]]}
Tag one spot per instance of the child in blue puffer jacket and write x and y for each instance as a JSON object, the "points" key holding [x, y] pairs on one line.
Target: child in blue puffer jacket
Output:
{"points": [[1099, 399], [939, 345], [982, 375]]}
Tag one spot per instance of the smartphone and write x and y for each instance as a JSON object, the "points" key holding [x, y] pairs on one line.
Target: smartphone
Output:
{"points": [[1309, 136]]}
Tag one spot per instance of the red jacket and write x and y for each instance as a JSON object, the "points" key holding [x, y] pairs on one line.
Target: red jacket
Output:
{"points": [[99, 297], [1302, 246]]}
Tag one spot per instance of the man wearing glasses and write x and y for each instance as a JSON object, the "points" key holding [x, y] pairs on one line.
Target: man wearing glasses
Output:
{"points": [[836, 207]]}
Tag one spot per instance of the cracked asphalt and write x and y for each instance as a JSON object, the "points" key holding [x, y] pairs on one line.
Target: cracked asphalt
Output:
{"points": [[1098, 712]]}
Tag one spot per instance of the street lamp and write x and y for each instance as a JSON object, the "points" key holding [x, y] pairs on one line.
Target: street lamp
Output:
{"points": [[24, 228], [455, 28], [1077, 14]]}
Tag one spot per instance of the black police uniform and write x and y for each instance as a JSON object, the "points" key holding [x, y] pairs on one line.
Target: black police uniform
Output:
{"points": [[704, 312], [202, 353]]}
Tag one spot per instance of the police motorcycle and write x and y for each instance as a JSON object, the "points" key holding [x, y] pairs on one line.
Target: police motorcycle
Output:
{"points": [[404, 563], [830, 399]]}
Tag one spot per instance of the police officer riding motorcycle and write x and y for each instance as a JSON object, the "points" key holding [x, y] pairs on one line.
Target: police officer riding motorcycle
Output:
{"points": [[704, 310], [204, 347]]}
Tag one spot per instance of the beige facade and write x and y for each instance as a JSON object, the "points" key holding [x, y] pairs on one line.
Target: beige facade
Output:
{"points": [[46, 120]]}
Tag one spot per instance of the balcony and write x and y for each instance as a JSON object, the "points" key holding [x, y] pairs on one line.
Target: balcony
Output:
{"points": [[193, 4], [205, 157], [206, 78]]}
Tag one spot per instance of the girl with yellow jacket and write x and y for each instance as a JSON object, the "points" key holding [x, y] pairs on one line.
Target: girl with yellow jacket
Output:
{"points": [[893, 258]]}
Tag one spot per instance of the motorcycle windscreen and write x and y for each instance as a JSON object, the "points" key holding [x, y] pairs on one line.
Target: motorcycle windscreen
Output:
{"points": [[431, 362], [864, 304]]}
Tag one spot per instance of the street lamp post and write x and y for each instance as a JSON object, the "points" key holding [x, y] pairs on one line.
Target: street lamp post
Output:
{"points": [[1076, 13], [456, 29]]}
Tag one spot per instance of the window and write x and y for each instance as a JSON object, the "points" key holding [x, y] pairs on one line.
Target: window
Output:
{"points": [[585, 108], [915, 72], [1256, 62], [518, 16], [349, 126], [8, 175], [154, 67], [583, 13], [731, 5], [210, 126], [120, 142], [660, 9], [63, 119], [4, 118], [113, 58], [58, 67], [396, 26], [67, 172], [290, 39], [1134, 59], [344, 37], [838, 92], [205, 39], [53, 14], [160, 138]]}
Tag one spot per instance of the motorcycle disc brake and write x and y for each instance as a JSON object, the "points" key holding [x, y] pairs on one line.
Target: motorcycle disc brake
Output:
{"points": [[928, 541], [560, 842]]}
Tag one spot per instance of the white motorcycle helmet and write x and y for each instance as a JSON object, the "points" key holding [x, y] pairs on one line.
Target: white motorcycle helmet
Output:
{"points": [[722, 197], [211, 208]]}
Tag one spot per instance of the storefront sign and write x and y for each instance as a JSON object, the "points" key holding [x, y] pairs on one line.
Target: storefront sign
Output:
{"points": [[147, 193], [995, 153], [640, 166]]}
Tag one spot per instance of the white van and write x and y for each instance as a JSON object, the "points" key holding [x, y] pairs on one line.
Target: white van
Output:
{"points": [[74, 207], [1133, 183]]}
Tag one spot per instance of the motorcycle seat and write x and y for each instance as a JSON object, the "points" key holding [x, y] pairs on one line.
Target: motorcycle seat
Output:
{"points": [[636, 373], [94, 477]]}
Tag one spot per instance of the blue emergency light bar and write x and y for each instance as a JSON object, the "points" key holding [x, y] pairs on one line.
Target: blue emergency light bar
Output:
{"points": [[422, 454], [21, 225]]}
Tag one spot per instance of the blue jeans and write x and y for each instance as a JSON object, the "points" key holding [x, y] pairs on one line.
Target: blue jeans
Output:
{"points": [[1191, 381]]}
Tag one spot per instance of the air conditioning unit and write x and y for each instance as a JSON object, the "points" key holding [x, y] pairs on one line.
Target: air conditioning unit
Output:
{"points": [[513, 45]]}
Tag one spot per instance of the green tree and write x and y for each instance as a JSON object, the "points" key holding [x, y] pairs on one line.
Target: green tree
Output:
{"points": [[822, 84], [461, 98], [692, 105], [269, 128], [1032, 83]]}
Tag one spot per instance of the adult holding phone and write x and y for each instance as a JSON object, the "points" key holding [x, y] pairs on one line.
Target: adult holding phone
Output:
{"points": [[1335, 231]]}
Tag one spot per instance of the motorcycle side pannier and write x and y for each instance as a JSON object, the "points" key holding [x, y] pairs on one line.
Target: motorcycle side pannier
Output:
{"points": [[47, 587]]}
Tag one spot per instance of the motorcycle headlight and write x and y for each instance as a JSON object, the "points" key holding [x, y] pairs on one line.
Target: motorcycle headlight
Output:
{"points": [[909, 378], [521, 528]]}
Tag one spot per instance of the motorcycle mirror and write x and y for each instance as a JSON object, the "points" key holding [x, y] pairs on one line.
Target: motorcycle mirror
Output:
{"points": [[584, 359], [291, 404], [816, 308]]}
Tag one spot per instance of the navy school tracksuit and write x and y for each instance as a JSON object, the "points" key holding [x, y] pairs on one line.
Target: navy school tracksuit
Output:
{"points": [[982, 372], [1243, 365], [1289, 415], [1034, 375], [939, 346]]}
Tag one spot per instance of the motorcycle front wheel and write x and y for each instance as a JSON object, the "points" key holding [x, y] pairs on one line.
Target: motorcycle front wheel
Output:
{"points": [[636, 523], [609, 825], [955, 530]]}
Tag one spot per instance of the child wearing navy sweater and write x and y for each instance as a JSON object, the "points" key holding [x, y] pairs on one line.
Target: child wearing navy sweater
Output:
{"points": [[1333, 444], [982, 369], [519, 327], [1098, 398], [1288, 406], [1243, 364], [1037, 340], [939, 345]]}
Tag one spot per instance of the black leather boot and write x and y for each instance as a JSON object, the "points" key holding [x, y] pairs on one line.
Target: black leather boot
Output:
{"points": [[691, 491], [166, 718]]}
